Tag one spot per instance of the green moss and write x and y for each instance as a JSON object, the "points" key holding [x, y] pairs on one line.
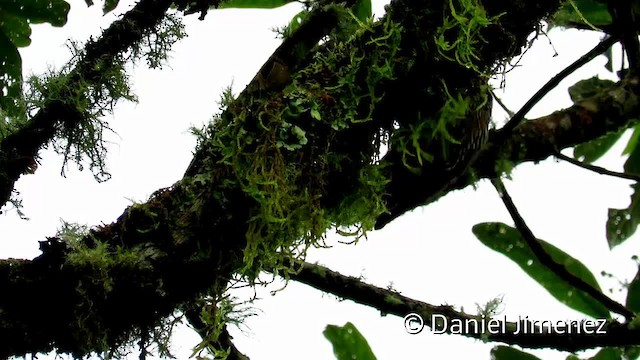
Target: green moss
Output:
{"points": [[80, 137], [393, 300], [86, 90], [281, 149], [458, 37]]}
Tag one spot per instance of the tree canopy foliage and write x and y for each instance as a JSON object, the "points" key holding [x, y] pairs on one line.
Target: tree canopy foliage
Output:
{"points": [[350, 122]]}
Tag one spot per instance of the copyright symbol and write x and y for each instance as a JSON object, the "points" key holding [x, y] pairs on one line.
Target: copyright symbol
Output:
{"points": [[413, 323]]}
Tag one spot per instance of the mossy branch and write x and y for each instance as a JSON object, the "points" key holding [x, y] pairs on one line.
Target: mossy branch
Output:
{"points": [[19, 149], [198, 229]]}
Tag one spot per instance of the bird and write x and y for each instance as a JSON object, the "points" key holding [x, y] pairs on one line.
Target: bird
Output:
{"points": [[407, 189]]}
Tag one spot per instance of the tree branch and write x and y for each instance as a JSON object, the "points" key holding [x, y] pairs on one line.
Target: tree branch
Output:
{"points": [[192, 313], [517, 119], [197, 229], [535, 140], [626, 27], [392, 302], [596, 169], [19, 149], [546, 259]]}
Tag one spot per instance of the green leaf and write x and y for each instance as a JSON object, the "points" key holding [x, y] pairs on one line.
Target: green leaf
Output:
{"points": [[10, 77], [254, 4], [53, 12], [608, 354], [109, 5], [315, 114], [622, 223], [296, 21], [633, 141], [632, 165], [633, 294], [609, 55], [603, 354], [588, 87], [591, 13], [508, 353], [632, 352], [591, 151], [362, 10], [16, 28], [508, 241], [16, 17], [348, 343]]}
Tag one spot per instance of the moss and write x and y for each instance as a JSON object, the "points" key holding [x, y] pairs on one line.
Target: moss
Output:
{"points": [[78, 95], [393, 300], [282, 152], [287, 149], [458, 37]]}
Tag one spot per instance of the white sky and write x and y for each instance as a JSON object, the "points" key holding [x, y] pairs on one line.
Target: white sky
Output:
{"points": [[430, 254]]}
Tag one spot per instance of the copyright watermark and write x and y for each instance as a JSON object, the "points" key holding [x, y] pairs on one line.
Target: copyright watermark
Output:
{"points": [[440, 324], [413, 323]]}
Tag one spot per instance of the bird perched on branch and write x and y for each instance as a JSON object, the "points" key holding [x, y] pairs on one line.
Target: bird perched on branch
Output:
{"points": [[408, 189]]}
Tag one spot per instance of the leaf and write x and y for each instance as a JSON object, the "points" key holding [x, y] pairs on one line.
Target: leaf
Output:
{"points": [[508, 353], [609, 55], [588, 87], [633, 294], [362, 10], [16, 16], [633, 141], [622, 223], [10, 77], [348, 343], [53, 12], [632, 352], [109, 5], [592, 150], [15, 28], [591, 13], [632, 165], [508, 241], [296, 21], [315, 114], [608, 354], [254, 4]]}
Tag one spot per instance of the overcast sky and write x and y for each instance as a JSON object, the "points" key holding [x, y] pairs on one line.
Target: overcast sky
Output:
{"points": [[430, 254]]}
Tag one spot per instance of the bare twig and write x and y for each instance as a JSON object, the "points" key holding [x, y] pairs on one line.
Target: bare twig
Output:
{"points": [[391, 302], [502, 105], [516, 119], [546, 259], [597, 169]]}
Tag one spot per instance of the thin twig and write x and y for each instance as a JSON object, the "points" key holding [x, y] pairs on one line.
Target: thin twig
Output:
{"points": [[546, 259], [516, 119], [597, 169], [388, 301], [502, 105]]}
